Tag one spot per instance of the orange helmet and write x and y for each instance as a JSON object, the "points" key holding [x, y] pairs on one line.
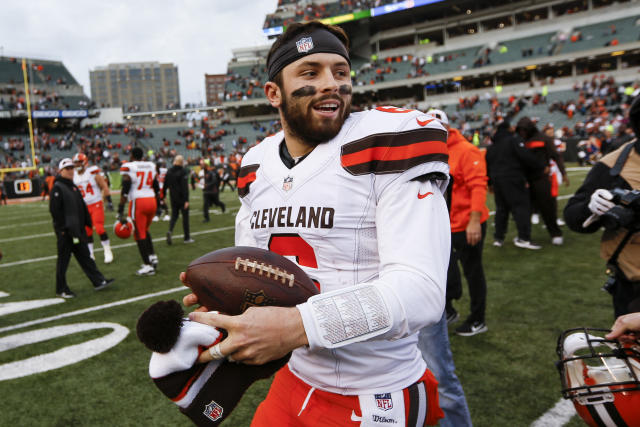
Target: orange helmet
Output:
{"points": [[123, 231], [80, 159], [600, 376]]}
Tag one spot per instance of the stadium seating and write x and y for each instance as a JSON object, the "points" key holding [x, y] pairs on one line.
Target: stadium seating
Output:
{"points": [[601, 35]]}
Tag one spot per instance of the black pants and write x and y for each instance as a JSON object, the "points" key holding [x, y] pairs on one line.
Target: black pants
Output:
{"points": [[81, 252], [546, 204], [177, 209], [225, 183], [211, 199], [511, 196], [471, 259]]}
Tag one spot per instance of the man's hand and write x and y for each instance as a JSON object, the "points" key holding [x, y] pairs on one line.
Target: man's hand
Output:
{"points": [[258, 335], [186, 205], [625, 327], [474, 228], [565, 179], [601, 201]]}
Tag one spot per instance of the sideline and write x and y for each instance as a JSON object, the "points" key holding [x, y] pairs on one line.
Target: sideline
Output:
{"points": [[91, 309], [124, 245]]}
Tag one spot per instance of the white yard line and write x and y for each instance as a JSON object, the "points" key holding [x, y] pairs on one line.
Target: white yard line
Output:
{"points": [[557, 416], [24, 224], [124, 245], [90, 309]]}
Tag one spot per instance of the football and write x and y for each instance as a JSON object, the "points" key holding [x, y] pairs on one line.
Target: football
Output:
{"points": [[230, 280]]}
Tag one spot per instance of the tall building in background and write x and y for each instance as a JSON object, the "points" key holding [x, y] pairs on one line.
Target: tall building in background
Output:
{"points": [[214, 84], [136, 86]]}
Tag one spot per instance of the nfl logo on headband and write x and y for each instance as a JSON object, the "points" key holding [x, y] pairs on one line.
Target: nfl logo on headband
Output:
{"points": [[304, 45]]}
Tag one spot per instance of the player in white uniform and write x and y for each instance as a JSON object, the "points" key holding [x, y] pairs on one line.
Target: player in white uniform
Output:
{"points": [[140, 186], [93, 188], [357, 201]]}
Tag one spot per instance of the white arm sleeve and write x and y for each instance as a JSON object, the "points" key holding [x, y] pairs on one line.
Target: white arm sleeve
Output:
{"points": [[414, 239]]}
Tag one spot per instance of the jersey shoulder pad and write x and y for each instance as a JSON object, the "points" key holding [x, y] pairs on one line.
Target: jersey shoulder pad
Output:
{"points": [[392, 142], [127, 167], [93, 170]]}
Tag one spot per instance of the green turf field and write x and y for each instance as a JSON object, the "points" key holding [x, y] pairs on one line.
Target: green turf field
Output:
{"points": [[508, 373]]}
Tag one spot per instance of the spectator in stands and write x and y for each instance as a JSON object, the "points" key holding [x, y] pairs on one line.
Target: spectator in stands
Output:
{"points": [[508, 165], [176, 183], [540, 185]]}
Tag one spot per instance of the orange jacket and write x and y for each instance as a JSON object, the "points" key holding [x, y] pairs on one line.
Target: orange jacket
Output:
{"points": [[468, 168]]}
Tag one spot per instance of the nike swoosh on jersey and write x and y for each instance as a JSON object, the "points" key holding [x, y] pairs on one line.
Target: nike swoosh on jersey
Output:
{"points": [[422, 196], [354, 417], [424, 122]]}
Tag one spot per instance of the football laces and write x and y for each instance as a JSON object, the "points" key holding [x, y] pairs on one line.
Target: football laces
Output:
{"points": [[267, 269]]}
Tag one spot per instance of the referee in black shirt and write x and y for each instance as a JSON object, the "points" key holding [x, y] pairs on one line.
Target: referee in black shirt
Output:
{"points": [[70, 216]]}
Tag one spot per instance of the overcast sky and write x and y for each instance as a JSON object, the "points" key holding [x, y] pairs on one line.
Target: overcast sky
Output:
{"points": [[196, 35]]}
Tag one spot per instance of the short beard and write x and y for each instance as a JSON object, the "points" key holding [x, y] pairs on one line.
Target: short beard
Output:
{"points": [[300, 124]]}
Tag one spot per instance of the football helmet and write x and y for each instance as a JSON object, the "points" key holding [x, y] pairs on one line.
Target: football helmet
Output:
{"points": [[439, 115], [124, 231], [80, 161], [600, 376]]}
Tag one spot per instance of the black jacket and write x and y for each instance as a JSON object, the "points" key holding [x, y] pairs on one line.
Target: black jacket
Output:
{"points": [[177, 183], [541, 146], [68, 210], [211, 181], [507, 157]]}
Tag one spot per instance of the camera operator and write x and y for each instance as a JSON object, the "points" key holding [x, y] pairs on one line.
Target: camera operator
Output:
{"points": [[606, 199]]}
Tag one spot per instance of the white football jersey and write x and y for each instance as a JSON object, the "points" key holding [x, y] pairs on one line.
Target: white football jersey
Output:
{"points": [[162, 173], [86, 182], [142, 175], [363, 219]]}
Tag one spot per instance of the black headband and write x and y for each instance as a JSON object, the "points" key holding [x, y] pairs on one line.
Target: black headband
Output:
{"points": [[317, 41]]}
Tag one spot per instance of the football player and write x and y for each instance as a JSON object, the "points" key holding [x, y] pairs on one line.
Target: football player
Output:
{"points": [[93, 188], [140, 186], [162, 205], [356, 199]]}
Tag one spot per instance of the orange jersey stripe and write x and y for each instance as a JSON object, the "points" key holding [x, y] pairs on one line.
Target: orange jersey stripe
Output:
{"points": [[394, 153], [242, 182]]}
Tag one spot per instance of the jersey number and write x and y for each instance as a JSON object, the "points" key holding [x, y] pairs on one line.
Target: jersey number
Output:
{"points": [[88, 190], [294, 245], [149, 182]]}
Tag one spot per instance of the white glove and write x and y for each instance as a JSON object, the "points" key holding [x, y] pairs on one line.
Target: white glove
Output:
{"points": [[601, 201]]}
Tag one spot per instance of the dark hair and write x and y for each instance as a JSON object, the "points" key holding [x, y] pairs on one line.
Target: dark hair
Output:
{"points": [[159, 326], [297, 28], [137, 153]]}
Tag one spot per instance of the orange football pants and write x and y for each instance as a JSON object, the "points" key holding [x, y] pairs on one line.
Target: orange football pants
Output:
{"points": [[142, 212], [291, 403], [96, 211]]}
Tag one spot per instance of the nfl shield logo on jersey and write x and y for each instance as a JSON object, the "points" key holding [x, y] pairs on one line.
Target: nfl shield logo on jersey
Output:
{"points": [[288, 183], [384, 401], [304, 45], [213, 411]]}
